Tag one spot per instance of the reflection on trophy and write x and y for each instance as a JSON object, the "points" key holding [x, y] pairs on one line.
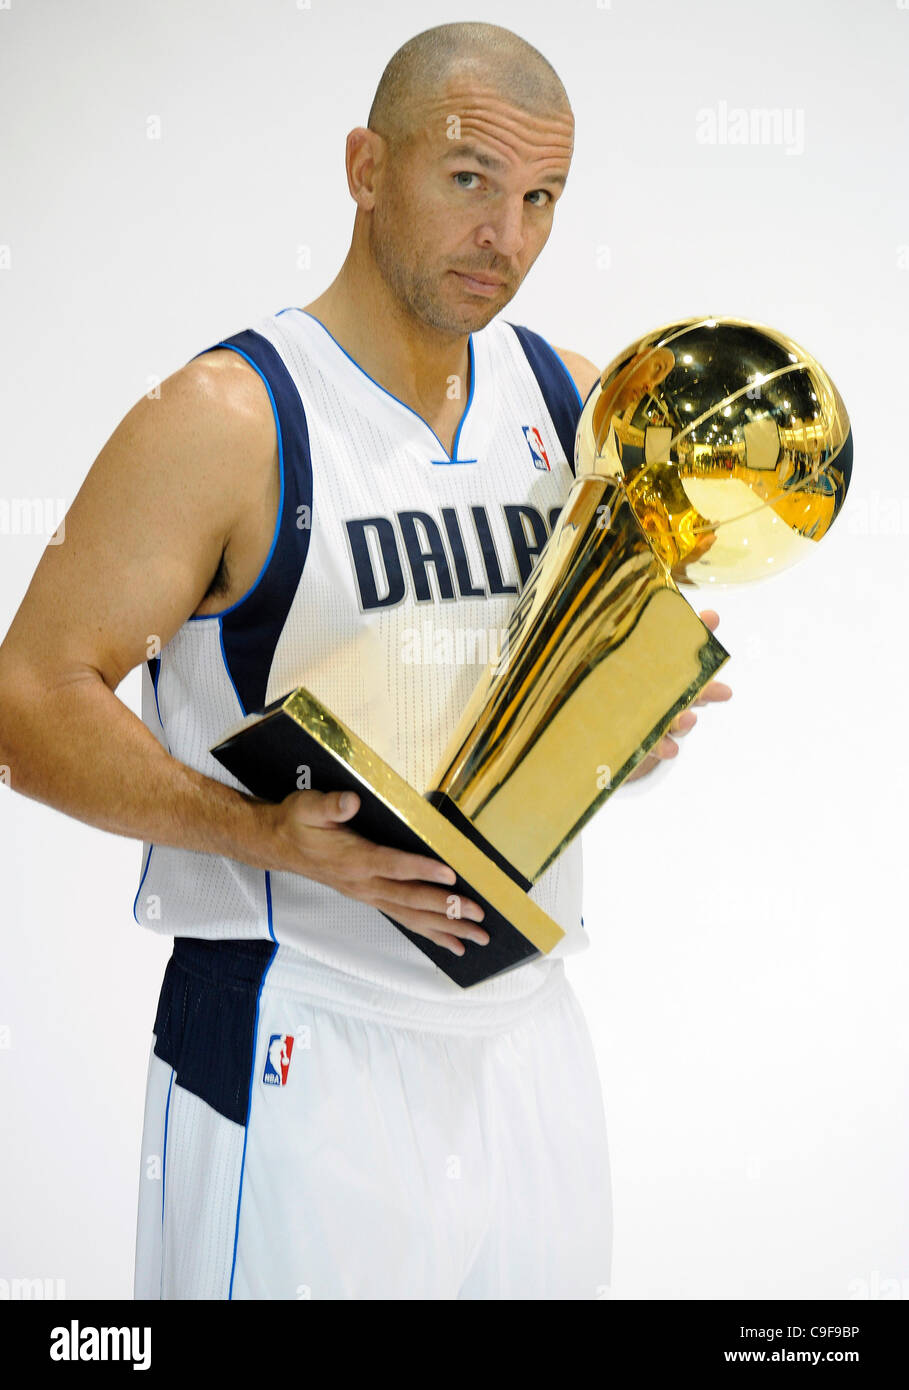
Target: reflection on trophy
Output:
{"points": [[710, 452], [733, 443]]}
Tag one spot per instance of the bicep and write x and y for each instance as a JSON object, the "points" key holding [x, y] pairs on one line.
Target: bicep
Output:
{"points": [[144, 534]]}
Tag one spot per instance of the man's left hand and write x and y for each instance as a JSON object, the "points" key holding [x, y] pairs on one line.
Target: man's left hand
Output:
{"points": [[667, 748]]}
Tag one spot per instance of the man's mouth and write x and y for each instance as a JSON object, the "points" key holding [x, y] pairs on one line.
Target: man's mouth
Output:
{"points": [[480, 284]]}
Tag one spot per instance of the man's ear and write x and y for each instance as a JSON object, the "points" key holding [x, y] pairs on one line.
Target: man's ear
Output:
{"points": [[365, 156]]}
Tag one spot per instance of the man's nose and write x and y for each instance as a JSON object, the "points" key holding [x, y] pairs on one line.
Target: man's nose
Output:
{"points": [[504, 228]]}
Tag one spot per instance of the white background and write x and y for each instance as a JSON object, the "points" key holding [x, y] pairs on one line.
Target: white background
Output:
{"points": [[747, 981]]}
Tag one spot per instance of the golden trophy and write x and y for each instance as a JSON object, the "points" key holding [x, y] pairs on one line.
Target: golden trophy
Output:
{"points": [[712, 451]]}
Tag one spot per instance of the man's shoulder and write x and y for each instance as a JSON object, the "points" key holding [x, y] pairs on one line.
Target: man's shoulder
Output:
{"points": [[230, 382], [582, 371], [233, 371]]}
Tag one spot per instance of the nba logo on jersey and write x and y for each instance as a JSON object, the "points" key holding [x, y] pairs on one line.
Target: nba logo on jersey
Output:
{"points": [[277, 1060], [535, 445]]}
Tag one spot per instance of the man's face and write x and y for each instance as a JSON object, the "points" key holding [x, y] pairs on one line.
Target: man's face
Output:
{"points": [[472, 196]]}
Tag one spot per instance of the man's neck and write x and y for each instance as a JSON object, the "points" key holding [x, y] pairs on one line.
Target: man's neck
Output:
{"points": [[409, 358]]}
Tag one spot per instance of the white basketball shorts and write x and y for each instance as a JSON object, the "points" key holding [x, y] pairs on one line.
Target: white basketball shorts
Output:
{"points": [[309, 1135]]}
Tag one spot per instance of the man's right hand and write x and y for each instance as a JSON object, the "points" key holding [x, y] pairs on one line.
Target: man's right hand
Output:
{"points": [[315, 842]]}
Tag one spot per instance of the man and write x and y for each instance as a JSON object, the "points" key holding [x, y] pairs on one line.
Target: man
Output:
{"points": [[334, 1117]]}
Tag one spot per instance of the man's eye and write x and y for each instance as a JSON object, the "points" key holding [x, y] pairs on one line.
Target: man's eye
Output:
{"points": [[465, 174], [546, 195]]}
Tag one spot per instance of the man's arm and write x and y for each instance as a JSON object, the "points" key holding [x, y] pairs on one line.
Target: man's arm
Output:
{"points": [[143, 538], [585, 373], [141, 541]]}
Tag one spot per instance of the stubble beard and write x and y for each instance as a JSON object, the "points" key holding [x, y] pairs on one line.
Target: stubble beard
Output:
{"points": [[417, 290]]}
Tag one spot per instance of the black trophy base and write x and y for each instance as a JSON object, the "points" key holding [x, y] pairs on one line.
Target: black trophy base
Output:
{"points": [[296, 732]]}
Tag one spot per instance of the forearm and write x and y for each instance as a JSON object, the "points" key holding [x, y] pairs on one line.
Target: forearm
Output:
{"points": [[78, 748]]}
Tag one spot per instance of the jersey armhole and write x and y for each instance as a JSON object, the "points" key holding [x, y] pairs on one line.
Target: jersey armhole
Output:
{"points": [[232, 347]]}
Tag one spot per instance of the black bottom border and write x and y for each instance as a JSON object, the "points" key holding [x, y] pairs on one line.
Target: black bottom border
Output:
{"points": [[688, 1337]]}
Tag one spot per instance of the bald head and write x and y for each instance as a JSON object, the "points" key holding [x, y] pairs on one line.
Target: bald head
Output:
{"points": [[484, 54], [458, 173]]}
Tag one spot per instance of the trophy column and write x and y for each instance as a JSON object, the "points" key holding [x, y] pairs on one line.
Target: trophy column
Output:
{"points": [[601, 654]]}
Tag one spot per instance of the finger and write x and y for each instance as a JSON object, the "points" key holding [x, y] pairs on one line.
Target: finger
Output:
{"points": [[710, 617], [426, 899], [666, 748], [715, 690], [384, 862], [342, 805], [324, 808], [427, 924], [644, 766], [684, 722]]}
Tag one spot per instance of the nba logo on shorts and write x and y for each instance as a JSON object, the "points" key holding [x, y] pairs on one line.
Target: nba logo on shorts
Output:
{"points": [[277, 1060], [535, 445]]}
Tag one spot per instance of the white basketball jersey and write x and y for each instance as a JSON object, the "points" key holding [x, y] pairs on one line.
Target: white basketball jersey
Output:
{"points": [[391, 577]]}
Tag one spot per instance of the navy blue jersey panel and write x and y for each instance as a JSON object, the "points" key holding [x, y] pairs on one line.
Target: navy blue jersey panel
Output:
{"points": [[251, 628], [563, 400], [206, 1020]]}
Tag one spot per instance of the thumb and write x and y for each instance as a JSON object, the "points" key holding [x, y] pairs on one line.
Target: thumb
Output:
{"points": [[325, 808]]}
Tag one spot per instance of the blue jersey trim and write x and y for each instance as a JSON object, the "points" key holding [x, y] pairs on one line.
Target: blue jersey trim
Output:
{"points": [[252, 1077], [250, 629], [453, 458], [473, 382], [141, 881], [556, 359], [243, 710], [170, 1086], [271, 922], [573, 383], [205, 617], [153, 662], [557, 386]]}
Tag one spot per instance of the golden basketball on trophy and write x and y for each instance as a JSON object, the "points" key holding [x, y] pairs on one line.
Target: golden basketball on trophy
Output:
{"points": [[732, 443], [710, 452]]}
